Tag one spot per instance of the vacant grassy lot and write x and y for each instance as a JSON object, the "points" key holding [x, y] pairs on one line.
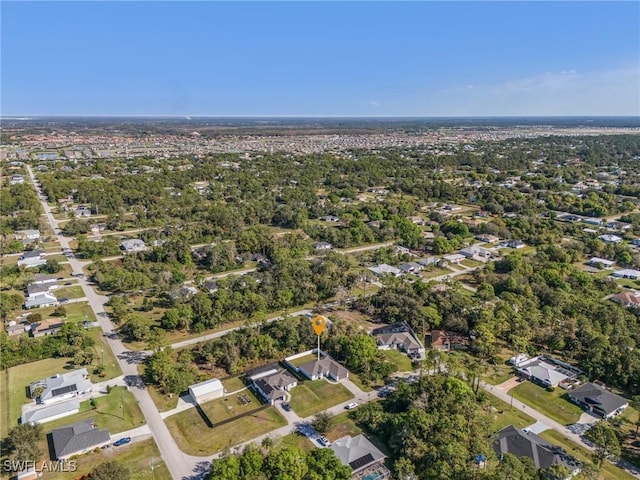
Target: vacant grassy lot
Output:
{"points": [[302, 360], [399, 358], [296, 440], [137, 457], [609, 470], [309, 398], [497, 374], [228, 407], [342, 425], [76, 312], [103, 355], [69, 292], [550, 403], [194, 437], [504, 415], [108, 412], [162, 401]]}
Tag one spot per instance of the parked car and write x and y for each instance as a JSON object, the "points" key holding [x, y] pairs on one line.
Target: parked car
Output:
{"points": [[351, 406], [122, 441], [324, 441], [286, 406], [64, 300]]}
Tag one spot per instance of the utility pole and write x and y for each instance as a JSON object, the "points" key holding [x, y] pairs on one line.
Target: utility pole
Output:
{"points": [[122, 398]]}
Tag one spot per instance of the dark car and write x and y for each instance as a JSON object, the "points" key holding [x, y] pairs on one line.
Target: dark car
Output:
{"points": [[122, 441], [286, 406]]}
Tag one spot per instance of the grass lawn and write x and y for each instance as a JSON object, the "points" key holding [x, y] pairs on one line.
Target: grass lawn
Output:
{"points": [[302, 360], [471, 263], [365, 388], [296, 440], [69, 292], [108, 412], [309, 398], [497, 374], [76, 312], [504, 415], [550, 403], [16, 379], [609, 470], [138, 457], [229, 407], [342, 425], [400, 359], [233, 384], [436, 272], [194, 437], [103, 351]]}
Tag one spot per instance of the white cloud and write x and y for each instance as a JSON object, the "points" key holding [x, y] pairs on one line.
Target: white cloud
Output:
{"points": [[374, 103], [567, 92]]}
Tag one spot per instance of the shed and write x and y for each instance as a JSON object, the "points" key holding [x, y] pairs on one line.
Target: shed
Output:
{"points": [[207, 390]]}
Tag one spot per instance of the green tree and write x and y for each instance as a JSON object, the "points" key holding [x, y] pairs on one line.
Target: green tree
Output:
{"points": [[24, 442], [606, 441], [322, 422]]}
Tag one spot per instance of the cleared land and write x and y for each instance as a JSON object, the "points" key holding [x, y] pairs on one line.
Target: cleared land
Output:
{"points": [[194, 437], [229, 407], [310, 398], [550, 403], [402, 361]]}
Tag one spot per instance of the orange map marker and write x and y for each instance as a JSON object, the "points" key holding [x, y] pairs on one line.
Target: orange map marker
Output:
{"points": [[318, 324]]}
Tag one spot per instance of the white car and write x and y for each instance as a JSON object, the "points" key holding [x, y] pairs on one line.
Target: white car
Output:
{"points": [[351, 406]]}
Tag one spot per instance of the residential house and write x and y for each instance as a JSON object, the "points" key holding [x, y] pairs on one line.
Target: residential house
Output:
{"points": [[83, 211], [524, 443], [410, 267], [384, 269], [610, 238], [597, 399], [322, 246], [43, 279], [517, 244], [601, 262], [48, 413], [446, 341], [207, 390], [132, 245], [548, 371], [485, 237], [452, 208], [41, 300], [260, 372], [325, 367], [61, 386], [400, 336], [359, 454], [32, 258], [211, 286], [628, 298], [455, 258], [593, 221], [616, 226], [28, 235], [273, 387], [627, 273], [14, 328], [16, 180], [475, 252], [330, 218], [78, 438]]}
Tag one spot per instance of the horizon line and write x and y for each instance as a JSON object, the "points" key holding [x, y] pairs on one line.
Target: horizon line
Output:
{"points": [[20, 116]]}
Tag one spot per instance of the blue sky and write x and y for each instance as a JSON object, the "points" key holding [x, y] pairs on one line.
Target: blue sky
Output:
{"points": [[320, 58]]}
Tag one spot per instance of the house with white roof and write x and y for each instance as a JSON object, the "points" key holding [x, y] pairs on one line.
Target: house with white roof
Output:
{"points": [[207, 390], [61, 386], [610, 238], [32, 258], [384, 269], [132, 245]]}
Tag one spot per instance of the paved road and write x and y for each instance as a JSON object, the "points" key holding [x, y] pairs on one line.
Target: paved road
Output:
{"points": [[179, 464]]}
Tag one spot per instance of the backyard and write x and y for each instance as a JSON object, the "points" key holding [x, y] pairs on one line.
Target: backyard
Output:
{"points": [[309, 398]]}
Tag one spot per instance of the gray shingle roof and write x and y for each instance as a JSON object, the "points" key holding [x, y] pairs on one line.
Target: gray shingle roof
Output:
{"points": [[598, 398], [77, 437]]}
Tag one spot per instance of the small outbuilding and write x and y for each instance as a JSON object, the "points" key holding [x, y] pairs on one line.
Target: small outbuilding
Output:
{"points": [[207, 390]]}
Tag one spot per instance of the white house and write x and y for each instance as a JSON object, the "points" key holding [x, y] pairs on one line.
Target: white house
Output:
{"points": [[610, 238], [132, 245], [61, 386], [384, 269], [33, 258], [597, 262], [40, 300], [48, 413], [627, 273], [207, 390]]}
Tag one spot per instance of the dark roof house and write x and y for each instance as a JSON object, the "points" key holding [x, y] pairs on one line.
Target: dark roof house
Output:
{"points": [[359, 454], [78, 438], [599, 400], [527, 444]]}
